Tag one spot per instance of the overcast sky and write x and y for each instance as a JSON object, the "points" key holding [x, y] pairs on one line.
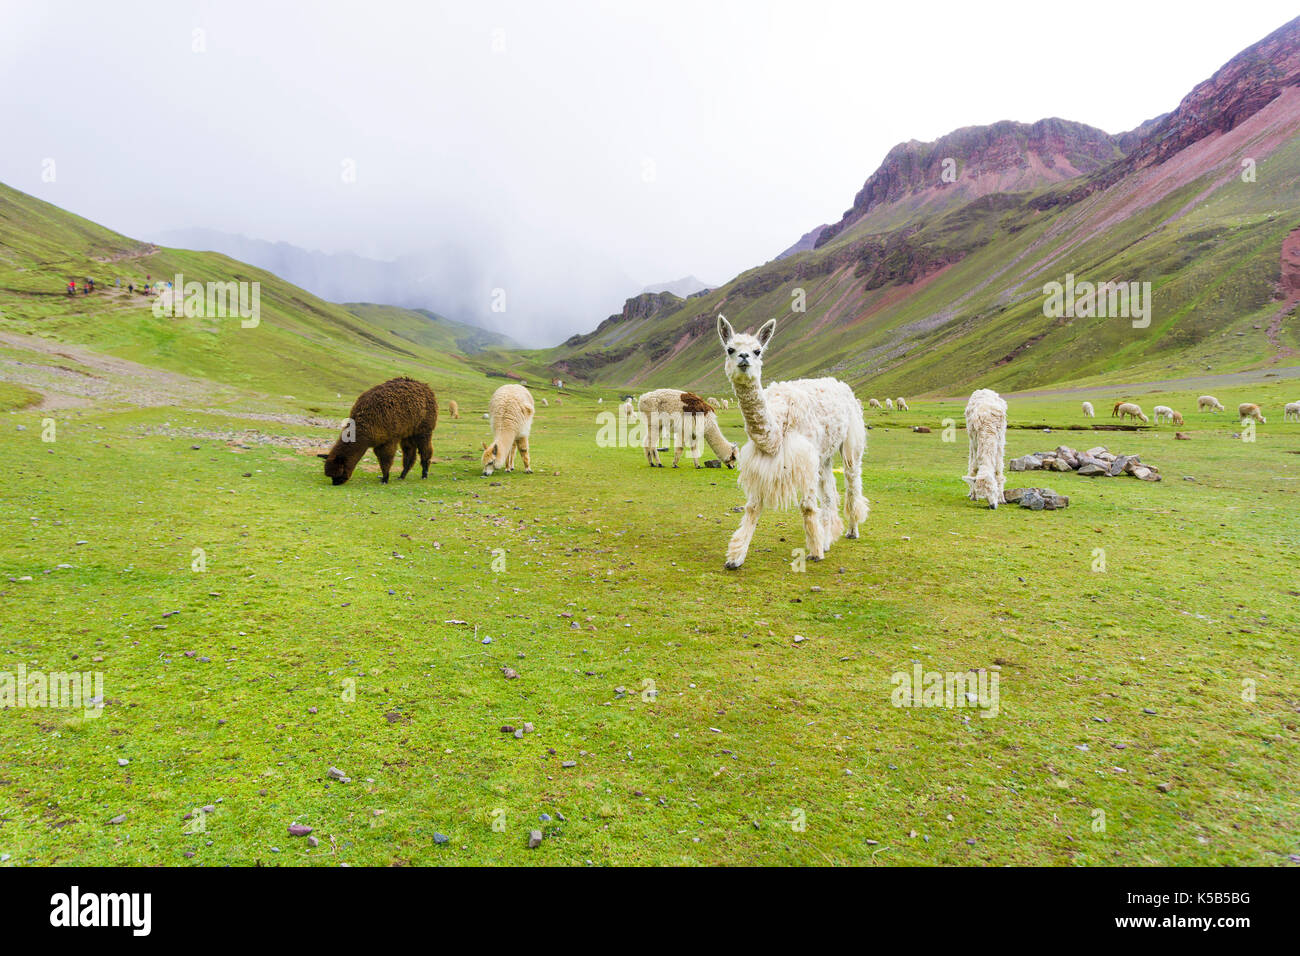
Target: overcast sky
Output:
{"points": [[568, 152]]}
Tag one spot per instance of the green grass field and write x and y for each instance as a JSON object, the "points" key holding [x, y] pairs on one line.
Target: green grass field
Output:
{"points": [[348, 627]]}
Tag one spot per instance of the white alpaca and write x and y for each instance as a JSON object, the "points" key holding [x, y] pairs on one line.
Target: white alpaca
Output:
{"points": [[726, 404], [1248, 410], [1129, 410], [687, 418], [889, 404], [1164, 411], [874, 403], [511, 414], [986, 431], [1210, 402], [1292, 410], [794, 430], [1087, 410], [901, 404], [627, 408], [545, 402]]}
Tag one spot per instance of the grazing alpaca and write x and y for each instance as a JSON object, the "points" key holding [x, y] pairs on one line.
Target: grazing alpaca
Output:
{"points": [[545, 403], [901, 404], [687, 417], [1164, 411], [726, 404], [1087, 410], [1292, 410], [1250, 410], [889, 404], [986, 429], [453, 408], [1130, 410], [1114, 412], [511, 411], [627, 408], [402, 412], [874, 403], [794, 430], [1210, 402]]}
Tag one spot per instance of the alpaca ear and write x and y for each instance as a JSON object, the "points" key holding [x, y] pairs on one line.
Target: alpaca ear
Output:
{"points": [[969, 480], [322, 454], [765, 333], [725, 331]]}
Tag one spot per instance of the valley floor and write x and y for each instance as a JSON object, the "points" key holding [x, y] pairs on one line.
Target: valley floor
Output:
{"points": [[256, 627]]}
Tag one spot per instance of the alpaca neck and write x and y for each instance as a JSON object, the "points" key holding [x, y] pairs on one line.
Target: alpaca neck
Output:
{"points": [[760, 428], [713, 435]]}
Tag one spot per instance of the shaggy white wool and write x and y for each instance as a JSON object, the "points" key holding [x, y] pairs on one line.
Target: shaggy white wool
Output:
{"points": [[1210, 402], [986, 433], [511, 415], [1087, 410], [795, 429], [875, 403], [901, 404], [1290, 411]]}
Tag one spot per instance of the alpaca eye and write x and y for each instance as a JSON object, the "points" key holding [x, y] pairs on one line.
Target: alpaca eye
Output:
{"points": [[731, 351], [757, 352]]}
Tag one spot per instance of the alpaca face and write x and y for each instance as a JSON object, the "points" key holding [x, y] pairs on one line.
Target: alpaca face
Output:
{"points": [[984, 486], [337, 468], [744, 361], [492, 459], [730, 461]]}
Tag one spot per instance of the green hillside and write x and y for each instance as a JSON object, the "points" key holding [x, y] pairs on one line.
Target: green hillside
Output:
{"points": [[320, 353]]}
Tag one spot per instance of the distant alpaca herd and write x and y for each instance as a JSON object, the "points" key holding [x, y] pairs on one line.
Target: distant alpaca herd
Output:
{"points": [[795, 430]]}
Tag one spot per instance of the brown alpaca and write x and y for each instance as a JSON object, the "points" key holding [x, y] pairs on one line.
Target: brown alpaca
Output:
{"points": [[1114, 412], [453, 408], [401, 412]]}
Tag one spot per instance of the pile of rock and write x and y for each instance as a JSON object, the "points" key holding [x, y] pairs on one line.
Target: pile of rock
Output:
{"points": [[1036, 499], [1095, 462]]}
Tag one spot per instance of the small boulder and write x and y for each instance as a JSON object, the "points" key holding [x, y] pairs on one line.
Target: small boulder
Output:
{"points": [[1091, 469]]}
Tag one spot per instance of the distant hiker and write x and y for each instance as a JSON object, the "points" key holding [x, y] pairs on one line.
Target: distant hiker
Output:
{"points": [[130, 287], [72, 287]]}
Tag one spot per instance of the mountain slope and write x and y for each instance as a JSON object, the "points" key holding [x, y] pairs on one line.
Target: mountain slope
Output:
{"points": [[931, 286], [302, 345]]}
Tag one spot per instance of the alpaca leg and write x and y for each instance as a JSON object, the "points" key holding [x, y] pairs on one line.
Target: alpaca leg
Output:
{"points": [[812, 527], [385, 455], [523, 450], [739, 546], [971, 468], [832, 524], [856, 506], [426, 454], [408, 455], [649, 441], [679, 442]]}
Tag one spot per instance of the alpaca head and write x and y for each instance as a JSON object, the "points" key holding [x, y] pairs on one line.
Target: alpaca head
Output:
{"points": [[984, 486], [730, 460], [744, 362], [493, 458], [338, 466]]}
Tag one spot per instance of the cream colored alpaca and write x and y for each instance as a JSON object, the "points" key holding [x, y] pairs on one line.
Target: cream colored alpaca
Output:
{"points": [[874, 403], [986, 431], [545, 403], [1250, 410], [889, 404], [726, 404], [511, 414], [1087, 410], [687, 418], [453, 408], [1291, 410], [794, 430], [1129, 410], [1164, 411], [1210, 402], [901, 404]]}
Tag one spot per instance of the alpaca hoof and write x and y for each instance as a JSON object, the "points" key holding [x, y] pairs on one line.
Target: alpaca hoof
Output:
{"points": [[528, 471], [733, 565], [850, 534], [814, 557]]}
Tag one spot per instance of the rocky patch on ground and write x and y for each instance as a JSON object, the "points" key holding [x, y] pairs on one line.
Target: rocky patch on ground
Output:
{"points": [[1036, 499], [1093, 463]]}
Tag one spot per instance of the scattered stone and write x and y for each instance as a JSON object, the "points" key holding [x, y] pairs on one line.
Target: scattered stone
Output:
{"points": [[441, 838], [509, 672], [299, 829], [334, 773], [120, 818], [313, 841], [534, 839], [1164, 787], [569, 763]]}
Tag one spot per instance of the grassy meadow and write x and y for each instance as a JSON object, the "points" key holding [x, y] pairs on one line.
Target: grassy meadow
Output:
{"points": [[682, 714]]}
